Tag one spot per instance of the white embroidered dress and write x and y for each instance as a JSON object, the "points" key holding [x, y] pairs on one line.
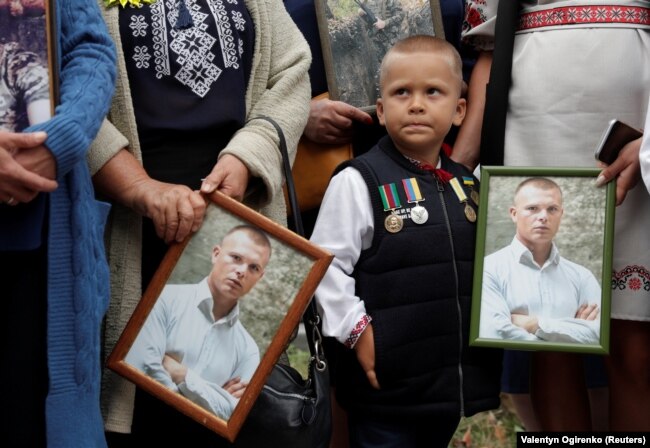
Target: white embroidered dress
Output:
{"points": [[577, 65]]}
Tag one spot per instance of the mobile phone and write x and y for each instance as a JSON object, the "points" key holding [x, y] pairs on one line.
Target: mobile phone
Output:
{"points": [[617, 135]]}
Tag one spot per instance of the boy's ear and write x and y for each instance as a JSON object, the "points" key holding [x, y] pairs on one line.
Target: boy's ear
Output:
{"points": [[461, 109], [380, 112]]}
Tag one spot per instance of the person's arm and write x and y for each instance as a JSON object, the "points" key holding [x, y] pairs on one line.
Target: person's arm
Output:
{"points": [[213, 397], [176, 210], [220, 399], [346, 195], [22, 183], [149, 348], [468, 142], [344, 313], [496, 321], [253, 152], [582, 328], [87, 59]]}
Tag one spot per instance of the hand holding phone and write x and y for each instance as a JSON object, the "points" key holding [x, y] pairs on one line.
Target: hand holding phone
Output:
{"points": [[615, 137]]}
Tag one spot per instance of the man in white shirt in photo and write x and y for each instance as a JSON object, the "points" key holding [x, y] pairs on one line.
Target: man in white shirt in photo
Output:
{"points": [[529, 291], [193, 341]]}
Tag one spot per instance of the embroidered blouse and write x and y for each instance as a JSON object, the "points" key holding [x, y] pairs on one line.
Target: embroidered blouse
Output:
{"points": [[188, 85]]}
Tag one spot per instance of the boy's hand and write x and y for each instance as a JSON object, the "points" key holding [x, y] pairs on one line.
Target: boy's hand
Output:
{"points": [[365, 349]]}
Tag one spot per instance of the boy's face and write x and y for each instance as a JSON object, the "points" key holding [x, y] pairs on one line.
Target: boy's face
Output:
{"points": [[420, 101]]}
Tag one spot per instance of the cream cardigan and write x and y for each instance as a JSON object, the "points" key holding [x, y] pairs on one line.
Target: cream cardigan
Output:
{"points": [[278, 87]]}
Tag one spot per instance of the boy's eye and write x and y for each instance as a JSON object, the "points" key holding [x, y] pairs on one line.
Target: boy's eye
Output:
{"points": [[432, 91], [401, 92]]}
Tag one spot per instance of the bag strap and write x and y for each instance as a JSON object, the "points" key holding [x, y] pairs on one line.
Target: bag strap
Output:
{"points": [[493, 132], [311, 317]]}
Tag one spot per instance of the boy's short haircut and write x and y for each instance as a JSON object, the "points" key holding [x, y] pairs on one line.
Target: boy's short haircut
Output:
{"points": [[425, 43]]}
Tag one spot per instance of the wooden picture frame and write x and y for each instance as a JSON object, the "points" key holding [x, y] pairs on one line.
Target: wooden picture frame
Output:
{"points": [[509, 283], [269, 312], [28, 49], [353, 47]]}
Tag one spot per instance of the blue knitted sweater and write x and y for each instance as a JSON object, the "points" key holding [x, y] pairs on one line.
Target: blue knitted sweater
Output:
{"points": [[77, 270]]}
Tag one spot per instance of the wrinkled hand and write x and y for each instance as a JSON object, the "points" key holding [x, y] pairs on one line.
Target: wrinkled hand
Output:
{"points": [[528, 323], [176, 210], [626, 169], [229, 176], [176, 370], [365, 350], [330, 122], [235, 387], [20, 182], [587, 312]]}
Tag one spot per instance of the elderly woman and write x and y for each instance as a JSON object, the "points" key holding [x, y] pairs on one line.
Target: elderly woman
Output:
{"points": [[192, 75]]}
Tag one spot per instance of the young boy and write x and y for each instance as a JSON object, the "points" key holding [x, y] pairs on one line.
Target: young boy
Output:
{"points": [[400, 221]]}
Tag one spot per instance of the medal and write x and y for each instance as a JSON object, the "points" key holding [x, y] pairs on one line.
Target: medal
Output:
{"points": [[419, 214], [393, 223], [390, 199], [470, 213], [472, 193]]}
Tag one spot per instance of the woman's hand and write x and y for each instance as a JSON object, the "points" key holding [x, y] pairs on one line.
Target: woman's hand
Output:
{"points": [[229, 176], [626, 169], [26, 167], [175, 210]]}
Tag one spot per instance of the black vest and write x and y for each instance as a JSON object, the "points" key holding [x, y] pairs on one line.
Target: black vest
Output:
{"points": [[416, 285]]}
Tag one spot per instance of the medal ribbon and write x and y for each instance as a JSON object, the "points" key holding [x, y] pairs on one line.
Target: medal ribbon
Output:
{"points": [[412, 190], [389, 197], [468, 181], [455, 185]]}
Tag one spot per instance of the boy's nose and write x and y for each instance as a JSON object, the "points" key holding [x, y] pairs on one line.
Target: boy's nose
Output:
{"points": [[416, 106]]}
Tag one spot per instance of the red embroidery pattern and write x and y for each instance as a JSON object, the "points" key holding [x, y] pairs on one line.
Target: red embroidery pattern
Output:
{"points": [[356, 332], [636, 278], [575, 15]]}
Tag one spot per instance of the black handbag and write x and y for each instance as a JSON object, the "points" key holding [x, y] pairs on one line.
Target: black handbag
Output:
{"points": [[291, 411]]}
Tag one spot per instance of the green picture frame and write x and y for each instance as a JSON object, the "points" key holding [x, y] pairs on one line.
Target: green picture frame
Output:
{"points": [[584, 237]]}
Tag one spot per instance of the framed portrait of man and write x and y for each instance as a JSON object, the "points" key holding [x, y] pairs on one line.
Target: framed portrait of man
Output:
{"points": [[356, 34], [543, 266], [218, 314], [28, 63]]}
